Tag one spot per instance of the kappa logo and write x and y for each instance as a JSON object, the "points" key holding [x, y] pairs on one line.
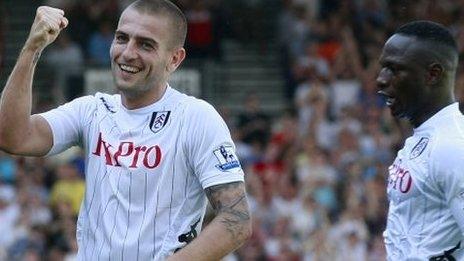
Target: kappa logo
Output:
{"points": [[159, 119], [419, 148], [226, 157], [107, 106]]}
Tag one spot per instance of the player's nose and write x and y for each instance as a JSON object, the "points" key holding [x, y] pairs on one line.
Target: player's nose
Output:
{"points": [[129, 52], [382, 80]]}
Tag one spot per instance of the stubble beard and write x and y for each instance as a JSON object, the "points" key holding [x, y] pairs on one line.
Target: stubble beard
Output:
{"points": [[131, 90], [138, 89]]}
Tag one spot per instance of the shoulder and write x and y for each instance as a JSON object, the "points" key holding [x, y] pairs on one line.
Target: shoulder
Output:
{"points": [[90, 103], [95, 98], [87, 99], [78, 105], [201, 117], [449, 136], [448, 150], [446, 161], [109, 101], [101, 102], [200, 108]]}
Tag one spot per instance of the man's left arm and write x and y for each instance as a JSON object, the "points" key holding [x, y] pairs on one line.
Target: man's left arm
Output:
{"points": [[227, 231]]}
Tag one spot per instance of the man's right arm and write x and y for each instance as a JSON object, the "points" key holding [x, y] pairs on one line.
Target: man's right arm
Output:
{"points": [[21, 133]]}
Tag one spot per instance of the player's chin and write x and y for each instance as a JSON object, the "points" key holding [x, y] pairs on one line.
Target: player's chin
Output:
{"points": [[124, 85], [396, 112]]}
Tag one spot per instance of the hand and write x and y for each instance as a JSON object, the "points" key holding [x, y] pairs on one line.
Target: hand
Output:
{"points": [[47, 25]]}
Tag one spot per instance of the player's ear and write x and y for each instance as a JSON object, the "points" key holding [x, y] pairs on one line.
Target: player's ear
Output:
{"points": [[435, 73], [177, 56]]}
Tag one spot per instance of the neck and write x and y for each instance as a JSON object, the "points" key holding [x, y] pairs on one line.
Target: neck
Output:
{"points": [[430, 110], [137, 100]]}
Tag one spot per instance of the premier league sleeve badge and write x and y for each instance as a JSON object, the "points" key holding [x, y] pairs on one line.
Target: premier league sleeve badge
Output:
{"points": [[227, 159]]}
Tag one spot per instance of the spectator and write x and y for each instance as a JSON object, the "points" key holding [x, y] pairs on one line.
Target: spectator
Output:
{"points": [[69, 189], [200, 37], [315, 176], [7, 168], [100, 43], [66, 60], [2, 40], [253, 124], [10, 212]]}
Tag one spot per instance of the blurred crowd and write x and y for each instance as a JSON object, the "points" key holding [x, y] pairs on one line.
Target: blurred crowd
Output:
{"points": [[2, 40], [315, 172]]}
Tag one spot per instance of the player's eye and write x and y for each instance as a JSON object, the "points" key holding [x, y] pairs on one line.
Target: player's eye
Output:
{"points": [[147, 46], [120, 38], [392, 69]]}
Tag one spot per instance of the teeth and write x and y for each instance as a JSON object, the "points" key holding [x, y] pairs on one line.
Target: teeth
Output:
{"points": [[390, 101], [128, 68]]}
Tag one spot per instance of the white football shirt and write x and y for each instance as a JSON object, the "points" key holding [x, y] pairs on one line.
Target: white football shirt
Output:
{"points": [[146, 170], [426, 192]]}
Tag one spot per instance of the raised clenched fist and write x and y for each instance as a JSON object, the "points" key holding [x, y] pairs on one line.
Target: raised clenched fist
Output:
{"points": [[47, 25]]}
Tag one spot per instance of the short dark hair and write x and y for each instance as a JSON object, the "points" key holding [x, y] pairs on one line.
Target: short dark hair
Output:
{"points": [[169, 9], [429, 31]]}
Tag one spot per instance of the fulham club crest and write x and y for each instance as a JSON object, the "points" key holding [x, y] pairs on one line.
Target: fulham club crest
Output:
{"points": [[419, 148], [159, 120]]}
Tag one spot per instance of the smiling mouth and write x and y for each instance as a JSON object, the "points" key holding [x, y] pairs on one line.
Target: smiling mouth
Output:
{"points": [[389, 99], [129, 69]]}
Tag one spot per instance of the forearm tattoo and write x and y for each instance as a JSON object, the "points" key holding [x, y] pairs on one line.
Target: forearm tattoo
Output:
{"points": [[231, 207], [36, 58]]}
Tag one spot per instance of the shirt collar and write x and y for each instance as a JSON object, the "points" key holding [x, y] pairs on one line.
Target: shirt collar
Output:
{"points": [[437, 118]]}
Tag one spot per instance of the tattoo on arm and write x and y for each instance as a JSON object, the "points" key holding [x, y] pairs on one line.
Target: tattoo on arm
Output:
{"points": [[230, 202], [36, 58]]}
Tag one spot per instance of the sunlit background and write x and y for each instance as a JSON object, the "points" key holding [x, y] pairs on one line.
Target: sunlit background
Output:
{"points": [[294, 80]]}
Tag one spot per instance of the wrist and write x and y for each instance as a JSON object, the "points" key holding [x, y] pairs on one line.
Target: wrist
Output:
{"points": [[31, 51], [32, 48]]}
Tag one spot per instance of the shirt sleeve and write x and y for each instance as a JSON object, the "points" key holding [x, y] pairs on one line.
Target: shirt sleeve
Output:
{"points": [[210, 148], [448, 162], [66, 122]]}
